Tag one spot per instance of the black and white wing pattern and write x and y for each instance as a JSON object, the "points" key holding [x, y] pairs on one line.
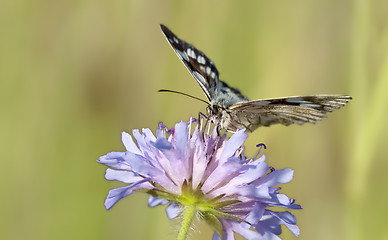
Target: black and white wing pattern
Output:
{"points": [[229, 109], [204, 71]]}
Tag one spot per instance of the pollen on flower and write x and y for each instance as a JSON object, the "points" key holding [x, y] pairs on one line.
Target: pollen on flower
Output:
{"points": [[189, 167]]}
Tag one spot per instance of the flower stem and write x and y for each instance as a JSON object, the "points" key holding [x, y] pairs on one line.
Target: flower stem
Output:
{"points": [[187, 219]]}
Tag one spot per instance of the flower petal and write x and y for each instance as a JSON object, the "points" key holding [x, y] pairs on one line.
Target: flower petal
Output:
{"points": [[115, 160], [141, 143], [275, 177], [162, 144], [244, 230], [256, 214], [182, 139], [148, 135], [221, 175], [173, 210], [129, 143], [254, 192], [122, 176], [115, 195], [140, 165], [282, 200], [200, 162], [251, 173], [231, 146], [287, 219], [154, 201]]}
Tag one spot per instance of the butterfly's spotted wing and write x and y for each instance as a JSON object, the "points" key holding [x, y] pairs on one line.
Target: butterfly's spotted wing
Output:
{"points": [[204, 71]]}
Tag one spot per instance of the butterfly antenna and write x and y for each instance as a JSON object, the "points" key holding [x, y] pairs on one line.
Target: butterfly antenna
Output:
{"points": [[181, 93]]}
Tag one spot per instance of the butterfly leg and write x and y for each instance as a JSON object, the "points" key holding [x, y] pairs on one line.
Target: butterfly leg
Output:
{"points": [[217, 125], [201, 116]]}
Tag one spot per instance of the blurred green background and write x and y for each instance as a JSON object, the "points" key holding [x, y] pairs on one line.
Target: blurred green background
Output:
{"points": [[76, 73]]}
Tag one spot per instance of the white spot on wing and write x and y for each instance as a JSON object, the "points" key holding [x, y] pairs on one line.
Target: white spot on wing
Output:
{"points": [[176, 40], [208, 70], [201, 59], [191, 53], [213, 75]]}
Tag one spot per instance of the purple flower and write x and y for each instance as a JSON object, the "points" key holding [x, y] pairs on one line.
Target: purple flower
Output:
{"points": [[206, 175]]}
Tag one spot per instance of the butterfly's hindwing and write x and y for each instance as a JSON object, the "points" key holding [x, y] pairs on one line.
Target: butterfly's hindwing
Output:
{"points": [[285, 111]]}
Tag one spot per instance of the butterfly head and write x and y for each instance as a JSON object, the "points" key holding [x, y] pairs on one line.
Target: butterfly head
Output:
{"points": [[214, 112]]}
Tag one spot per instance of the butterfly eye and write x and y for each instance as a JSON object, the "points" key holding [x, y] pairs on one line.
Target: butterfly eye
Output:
{"points": [[212, 110], [215, 109]]}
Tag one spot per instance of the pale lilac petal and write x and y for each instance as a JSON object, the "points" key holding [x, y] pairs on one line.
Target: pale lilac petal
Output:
{"points": [[140, 165], [160, 133], [173, 210], [148, 135], [141, 143], [254, 192], [227, 232], [115, 160], [250, 175], [270, 223], [211, 141], [129, 143], [115, 195], [122, 176], [231, 227], [221, 174], [231, 146], [260, 161], [275, 177], [244, 230], [154, 201], [283, 199], [162, 144], [182, 139], [256, 214], [172, 166], [287, 219], [266, 233], [182, 144], [216, 236], [200, 162]]}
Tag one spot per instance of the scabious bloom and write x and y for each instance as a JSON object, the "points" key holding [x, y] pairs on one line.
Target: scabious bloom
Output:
{"points": [[201, 174]]}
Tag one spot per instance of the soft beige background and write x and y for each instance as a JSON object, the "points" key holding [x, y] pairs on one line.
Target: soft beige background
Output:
{"points": [[75, 73]]}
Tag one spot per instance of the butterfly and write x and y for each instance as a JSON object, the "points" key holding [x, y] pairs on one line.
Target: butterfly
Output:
{"points": [[229, 109]]}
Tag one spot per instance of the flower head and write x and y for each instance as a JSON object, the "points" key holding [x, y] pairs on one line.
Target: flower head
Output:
{"points": [[205, 175]]}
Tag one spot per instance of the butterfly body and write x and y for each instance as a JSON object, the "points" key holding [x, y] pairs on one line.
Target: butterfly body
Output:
{"points": [[228, 108]]}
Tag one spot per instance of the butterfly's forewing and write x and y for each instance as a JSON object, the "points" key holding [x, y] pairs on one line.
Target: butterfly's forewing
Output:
{"points": [[204, 71], [286, 111], [201, 68]]}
